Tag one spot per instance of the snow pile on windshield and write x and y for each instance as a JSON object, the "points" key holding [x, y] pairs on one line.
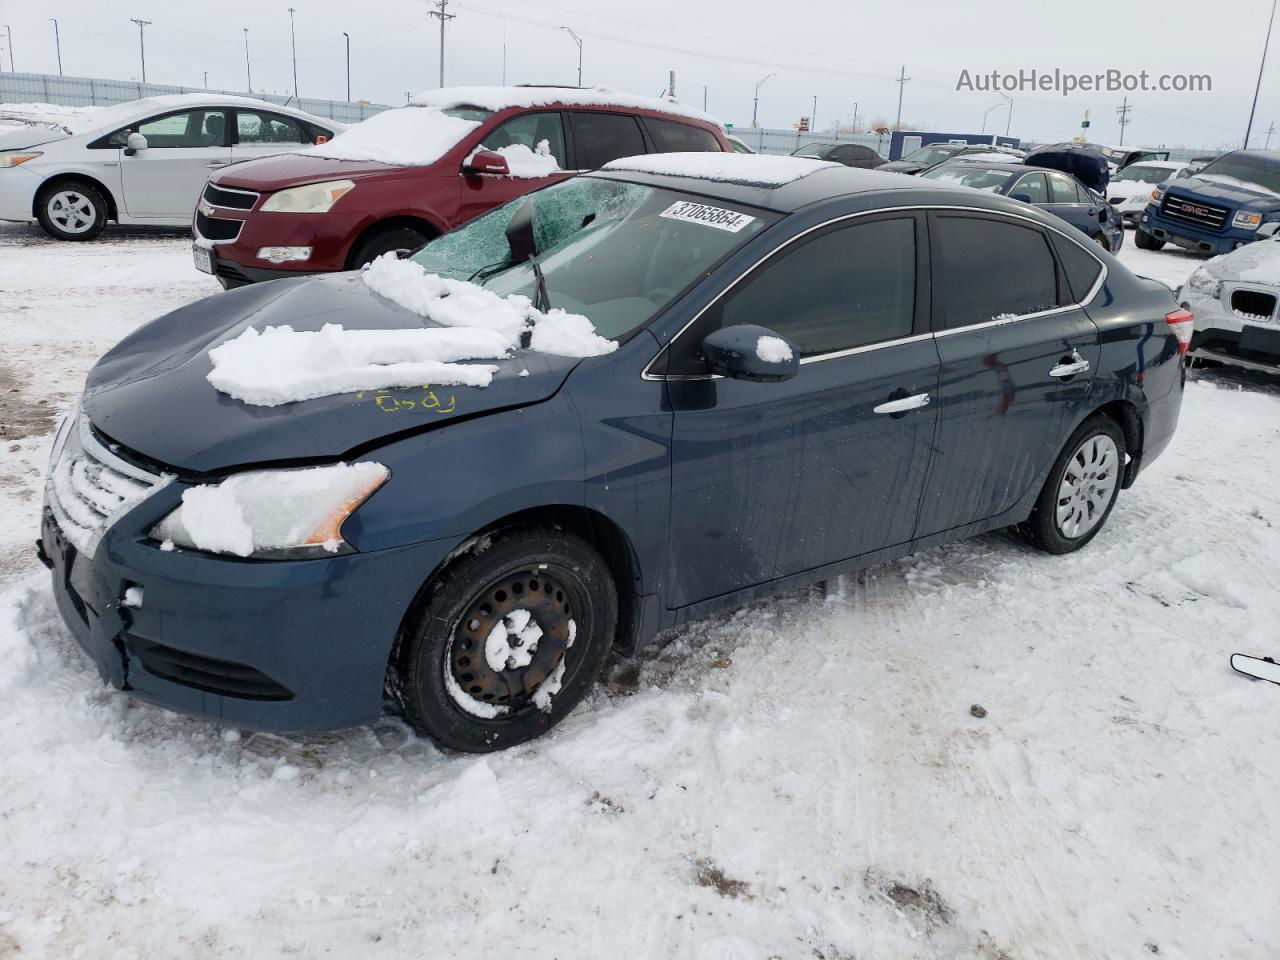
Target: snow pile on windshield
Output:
{"points": [[505, 98], [406, 136], [282, 365], [1229, 181], [524, 163], [749, 169], [773, 350]]}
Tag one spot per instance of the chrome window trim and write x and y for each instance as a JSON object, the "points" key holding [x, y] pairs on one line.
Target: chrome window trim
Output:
{"points": [[1078, 305]]}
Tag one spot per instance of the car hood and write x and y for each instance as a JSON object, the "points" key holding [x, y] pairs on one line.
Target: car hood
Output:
{"points": [[1235, 194], [282, 170], [1257, 263], [150, 393], [31, 137], [901, 166]]}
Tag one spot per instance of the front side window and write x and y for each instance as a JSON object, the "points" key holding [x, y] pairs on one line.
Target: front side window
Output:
{"points": [[1146, 173], [191, 128], [969, 175], [669, 136], [1063, 189], [602, 137], [254, 127], [993, 270], [531, 130]]}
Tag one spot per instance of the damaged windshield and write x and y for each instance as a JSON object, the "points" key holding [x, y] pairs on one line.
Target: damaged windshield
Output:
{"points": [[615, 252]]}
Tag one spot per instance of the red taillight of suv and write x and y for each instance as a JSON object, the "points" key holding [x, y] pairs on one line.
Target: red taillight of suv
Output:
{"points": [[1182, 323]]}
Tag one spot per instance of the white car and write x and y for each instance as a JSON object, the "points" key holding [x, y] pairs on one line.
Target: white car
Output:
{"points": [[1130, 189], [1234, 298], [143, 162]]}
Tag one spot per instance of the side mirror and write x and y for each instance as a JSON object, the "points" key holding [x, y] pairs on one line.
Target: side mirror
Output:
{"points": [[134, 143], [1022, 197], [321, 138], [519, 232], [1269, 229], [749, 352], [486, 161]]}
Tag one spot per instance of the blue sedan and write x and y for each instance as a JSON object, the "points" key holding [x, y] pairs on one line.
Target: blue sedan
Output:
{"points": [[709, 378], [1059, 193]]}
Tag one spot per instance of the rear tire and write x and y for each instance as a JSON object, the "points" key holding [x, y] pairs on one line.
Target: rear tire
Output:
{"points": [[71, 210], [386, 241], [1081, 489], [506, 641], [1145, 241]]}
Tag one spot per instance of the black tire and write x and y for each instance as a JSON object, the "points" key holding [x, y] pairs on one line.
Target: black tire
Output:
{"points": [[71, 210], [566, 587], [1042, 529], [1145, 241], [385, 241]]}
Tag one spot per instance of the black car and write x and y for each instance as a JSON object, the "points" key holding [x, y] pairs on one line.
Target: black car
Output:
{"points": [[850, 154], [928, 157]]}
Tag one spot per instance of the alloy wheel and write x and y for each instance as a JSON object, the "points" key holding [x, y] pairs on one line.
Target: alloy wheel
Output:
{"points": [[1087, 486], [72, 211]]}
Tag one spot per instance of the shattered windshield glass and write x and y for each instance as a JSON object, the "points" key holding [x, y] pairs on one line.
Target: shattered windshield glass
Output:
{"points": [[615, 252]]}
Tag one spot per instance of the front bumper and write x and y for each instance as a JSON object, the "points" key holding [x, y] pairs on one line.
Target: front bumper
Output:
{"points": [[18, 188], [1192, 238], [267, 645], [236, 260]]}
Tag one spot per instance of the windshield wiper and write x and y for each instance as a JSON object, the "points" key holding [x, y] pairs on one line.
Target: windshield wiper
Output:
{"points": [[542, 301]]}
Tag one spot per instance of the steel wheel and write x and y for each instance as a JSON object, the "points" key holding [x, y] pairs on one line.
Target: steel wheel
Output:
{"points": [[1087, 486], [71, 211]]}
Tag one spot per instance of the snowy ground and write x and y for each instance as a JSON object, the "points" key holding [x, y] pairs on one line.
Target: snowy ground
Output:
{"points": [[801, 779]]}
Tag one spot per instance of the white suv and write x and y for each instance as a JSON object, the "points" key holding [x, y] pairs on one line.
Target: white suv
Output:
{"points": [[142, 162], [1236, 302]]}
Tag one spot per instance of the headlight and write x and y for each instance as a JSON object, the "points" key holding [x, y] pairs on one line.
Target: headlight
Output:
{"points": [[272, 514], [1246, 220], [13, 159], [1204, 284], [1157, 194], [312, 198]]}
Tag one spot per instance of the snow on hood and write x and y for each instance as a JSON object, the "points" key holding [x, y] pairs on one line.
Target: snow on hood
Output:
{"points": [[1257, 262], [280, 365], [749, 169], [406, 136], [504, 98]]}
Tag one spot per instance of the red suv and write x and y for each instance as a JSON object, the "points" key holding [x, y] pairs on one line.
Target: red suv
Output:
{"points": [[409, 174]]}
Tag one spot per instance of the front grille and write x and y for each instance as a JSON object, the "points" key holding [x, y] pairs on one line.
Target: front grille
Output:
{"points": [[215, 228], [235, 199], [1191, 211], [224, 677], [1253, 304], [89, 486]]}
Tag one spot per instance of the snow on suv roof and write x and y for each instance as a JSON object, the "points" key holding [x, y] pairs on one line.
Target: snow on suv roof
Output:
{"points": [[748, 169], [505, 98]]}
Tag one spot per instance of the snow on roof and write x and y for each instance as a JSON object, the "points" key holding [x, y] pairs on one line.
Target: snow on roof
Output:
{"points": [[503, 98], [405, 136], [749, 169]]}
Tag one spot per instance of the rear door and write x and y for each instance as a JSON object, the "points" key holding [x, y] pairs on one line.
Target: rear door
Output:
{"points": [[770, 479], [601, 137], [1070, 202], [261, 133], [541, 135], [1018, 357], [164, 181]]}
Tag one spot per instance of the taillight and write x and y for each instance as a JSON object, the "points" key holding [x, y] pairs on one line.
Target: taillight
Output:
{"points": [[1182, 323]]}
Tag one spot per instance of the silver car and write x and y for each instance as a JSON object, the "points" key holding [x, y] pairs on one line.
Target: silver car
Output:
{"points": [[142, 162], [1236, 302]]}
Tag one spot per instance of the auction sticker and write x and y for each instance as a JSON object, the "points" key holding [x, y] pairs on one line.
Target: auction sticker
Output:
{"points": [[717, 217]]}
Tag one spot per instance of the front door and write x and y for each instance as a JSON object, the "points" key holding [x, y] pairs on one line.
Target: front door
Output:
{"points": [[770, 479], [1072, 203], [530, 142], [259, 133], [163, 182], [1017, 365]]}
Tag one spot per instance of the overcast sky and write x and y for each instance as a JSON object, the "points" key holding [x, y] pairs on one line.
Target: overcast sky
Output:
{"points": [[841, 52]]}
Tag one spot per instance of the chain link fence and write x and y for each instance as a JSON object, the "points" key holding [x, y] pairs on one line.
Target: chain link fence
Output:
{"points": [[91, 92]]}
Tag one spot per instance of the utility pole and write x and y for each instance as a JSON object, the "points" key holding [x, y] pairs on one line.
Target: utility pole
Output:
{"points": [[446, 17], [1009, 121], [206, 79], [671, 84], [855, 117], [142, 46], [57, 42], [9, 31], [1265, 43], [348, 36], [1265, 146], [755, 104], [813, 115], [576, 39], [1123, 112], [504, 54], [902, 82], [248, 74], [704, 98], [293, 45]]}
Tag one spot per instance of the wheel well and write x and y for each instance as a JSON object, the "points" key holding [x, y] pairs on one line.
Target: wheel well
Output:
{"points": [[112, 212], [1126, 415], [425, 227]]}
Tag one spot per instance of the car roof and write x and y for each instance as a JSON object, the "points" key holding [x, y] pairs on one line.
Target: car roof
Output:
{"points": [[181, 101], [497, 99]]}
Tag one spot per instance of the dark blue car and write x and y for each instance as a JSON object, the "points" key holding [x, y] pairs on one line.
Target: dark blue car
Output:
{"points": [[817, 369], [1218, 209], [1059, 193]]}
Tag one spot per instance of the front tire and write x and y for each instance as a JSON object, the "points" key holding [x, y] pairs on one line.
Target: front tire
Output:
{"points": [[71, 210], [506, 641], [1081, 489], [385, 241], [1145, 241]]}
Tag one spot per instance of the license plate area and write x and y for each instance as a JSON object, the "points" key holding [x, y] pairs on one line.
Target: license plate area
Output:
{"points": [[1257, 340], [203, 259]]}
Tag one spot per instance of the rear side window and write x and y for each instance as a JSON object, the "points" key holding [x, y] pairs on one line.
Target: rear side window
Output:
{"points": [[1081, 267], [992, 269], [253, 127], [601, 137], [1063, 189], [671, 137], [531, 130]]}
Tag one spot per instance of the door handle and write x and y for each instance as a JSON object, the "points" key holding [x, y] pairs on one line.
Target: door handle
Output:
{"points": [[215, 164], [1070, 366], [902, 404]]}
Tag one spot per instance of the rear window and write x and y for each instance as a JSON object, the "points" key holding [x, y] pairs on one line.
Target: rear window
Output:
{"points": [[601, 137], [672, 137], [993, 270], [1081, 267]]}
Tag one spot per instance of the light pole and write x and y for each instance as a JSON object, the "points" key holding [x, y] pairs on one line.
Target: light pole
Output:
{"points": [[1009, 121], [578, 40], [986, 113], [142, 46], [1265, 43], [755, 104], [294, 47], [9, 31], [206, 79], [855, 117], [57, 42], [248, 74], [348, 36], [813, 115]]}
